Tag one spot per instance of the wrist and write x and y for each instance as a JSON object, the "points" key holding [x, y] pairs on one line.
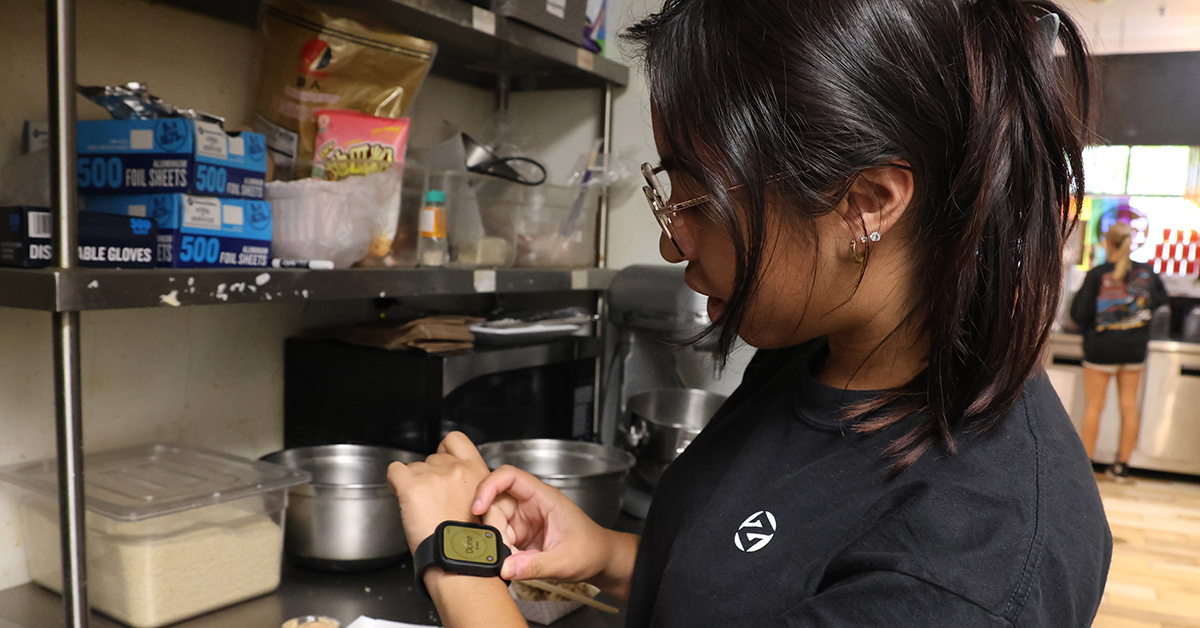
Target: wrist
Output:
{"points": [[620, 553]]}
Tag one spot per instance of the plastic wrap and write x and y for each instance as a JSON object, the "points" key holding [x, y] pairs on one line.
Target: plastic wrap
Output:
{"points": [[340, 221]]}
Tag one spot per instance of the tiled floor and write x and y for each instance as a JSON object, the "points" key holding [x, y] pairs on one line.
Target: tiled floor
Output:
{"points": [[1154, 581]]}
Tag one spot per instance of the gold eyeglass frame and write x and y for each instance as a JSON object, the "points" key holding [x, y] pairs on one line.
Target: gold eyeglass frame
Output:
{"points": [[663, 210]]}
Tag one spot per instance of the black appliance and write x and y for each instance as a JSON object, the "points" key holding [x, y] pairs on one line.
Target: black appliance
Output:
{"points": [[336, 392]]}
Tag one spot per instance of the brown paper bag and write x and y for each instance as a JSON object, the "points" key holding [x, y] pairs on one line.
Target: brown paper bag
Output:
{"points": [[432, 334]]}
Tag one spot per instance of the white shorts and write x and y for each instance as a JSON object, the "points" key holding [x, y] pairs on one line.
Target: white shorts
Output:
{"points": [[1113, 369]]}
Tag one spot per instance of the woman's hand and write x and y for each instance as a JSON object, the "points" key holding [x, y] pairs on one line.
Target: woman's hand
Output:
{"points": [[440, 489], [553, 539]]}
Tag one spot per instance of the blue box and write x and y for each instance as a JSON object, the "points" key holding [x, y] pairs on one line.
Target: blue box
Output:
{"points": [[170, 155], [199, 231], [26, 239]]}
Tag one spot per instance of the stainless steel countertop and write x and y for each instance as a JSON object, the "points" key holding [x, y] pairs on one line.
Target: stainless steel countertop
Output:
{"points": [[344, 597], [1165, 345]]}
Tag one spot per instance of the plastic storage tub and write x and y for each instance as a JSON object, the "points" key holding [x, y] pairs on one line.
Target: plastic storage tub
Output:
{"points": [[492, 222], [172, 531], [340, 221]]}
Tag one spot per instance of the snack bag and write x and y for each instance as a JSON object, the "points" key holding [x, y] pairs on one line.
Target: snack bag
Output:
{"points": [[352, 143], [315, 59]]}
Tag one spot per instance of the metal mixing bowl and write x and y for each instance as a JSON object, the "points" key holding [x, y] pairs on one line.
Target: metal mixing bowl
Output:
{"points": [[347, 518], [663, 422], [588, 474]]}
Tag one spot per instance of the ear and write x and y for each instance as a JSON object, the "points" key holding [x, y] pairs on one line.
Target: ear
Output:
{"points": [[878, 198]]}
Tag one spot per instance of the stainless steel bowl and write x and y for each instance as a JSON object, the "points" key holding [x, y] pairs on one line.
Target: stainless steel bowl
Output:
{"points": [[663, 422], [588, 474], [347, 518]]}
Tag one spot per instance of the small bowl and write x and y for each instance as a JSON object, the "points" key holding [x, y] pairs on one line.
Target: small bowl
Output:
{"points": [[311, 621]]}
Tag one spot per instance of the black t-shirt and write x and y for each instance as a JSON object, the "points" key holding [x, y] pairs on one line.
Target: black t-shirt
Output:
{"points": [[779, 515], [1115, 314]]}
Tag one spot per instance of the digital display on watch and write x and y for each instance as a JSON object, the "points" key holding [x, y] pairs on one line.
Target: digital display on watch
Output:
{"points": [[471, 545]]}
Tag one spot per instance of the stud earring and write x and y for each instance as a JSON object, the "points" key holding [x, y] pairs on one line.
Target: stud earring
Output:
{"points": [[860, 258]]}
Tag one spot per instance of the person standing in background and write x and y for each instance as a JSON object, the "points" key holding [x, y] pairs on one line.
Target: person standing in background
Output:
{"points": [[1113, 309]]}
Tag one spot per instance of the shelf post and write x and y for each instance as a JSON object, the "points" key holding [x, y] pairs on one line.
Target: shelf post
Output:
{"points": [[60, 43], [606, 130]]}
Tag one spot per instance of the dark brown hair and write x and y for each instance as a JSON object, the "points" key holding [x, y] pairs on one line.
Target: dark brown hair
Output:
{"points": [[966, 91]]}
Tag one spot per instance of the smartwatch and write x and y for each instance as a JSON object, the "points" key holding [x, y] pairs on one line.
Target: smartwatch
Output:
{"points": [[470, 549]]}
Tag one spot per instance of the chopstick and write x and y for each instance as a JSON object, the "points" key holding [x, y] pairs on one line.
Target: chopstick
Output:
{"points": [[570, 595]]}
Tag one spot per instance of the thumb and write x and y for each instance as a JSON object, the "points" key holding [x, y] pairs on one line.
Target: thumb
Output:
{"points": [[527, 565]]}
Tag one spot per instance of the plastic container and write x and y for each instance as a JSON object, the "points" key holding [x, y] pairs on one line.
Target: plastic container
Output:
{"points": [[432, 248], [342, 221], [412, 197], [1160, 323], [494, 223], [1191, 326], [172, 531]]}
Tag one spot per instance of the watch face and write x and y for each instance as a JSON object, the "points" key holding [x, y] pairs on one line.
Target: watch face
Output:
{"points": [[470, 545]]}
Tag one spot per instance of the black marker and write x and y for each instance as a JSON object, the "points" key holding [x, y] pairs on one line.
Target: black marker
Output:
{"points": [[311, 264]]}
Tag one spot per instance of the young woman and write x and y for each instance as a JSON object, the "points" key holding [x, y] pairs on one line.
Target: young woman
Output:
{"points": [[1113, 308], [874, 194]]}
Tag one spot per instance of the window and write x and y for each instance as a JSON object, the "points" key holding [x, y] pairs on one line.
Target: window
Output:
{"points": [[1153, 188]]}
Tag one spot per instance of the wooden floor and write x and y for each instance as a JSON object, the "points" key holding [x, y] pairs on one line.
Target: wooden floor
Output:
{"points": [[1154, 581]]}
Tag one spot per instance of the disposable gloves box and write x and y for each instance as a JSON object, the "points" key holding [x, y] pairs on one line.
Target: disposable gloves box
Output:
{"points": [[26, 239]]}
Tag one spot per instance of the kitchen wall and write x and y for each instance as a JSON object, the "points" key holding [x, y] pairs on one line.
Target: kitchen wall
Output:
{"points": [[1138, 26], [210, 375]]}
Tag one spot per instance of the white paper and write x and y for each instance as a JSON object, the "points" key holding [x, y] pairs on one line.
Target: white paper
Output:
{"points": [[485, 281], [366, 622], [211, 141], [232, 215], [483, 20], [141, 139], [202, 212]]}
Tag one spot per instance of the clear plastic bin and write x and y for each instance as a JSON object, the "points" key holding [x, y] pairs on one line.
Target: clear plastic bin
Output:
{"points": [[172, 531], [341, 221], [412, 197], [491, 222]]}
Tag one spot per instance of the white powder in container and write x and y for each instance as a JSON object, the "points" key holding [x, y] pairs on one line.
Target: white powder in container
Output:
{"points": [[162, 570]]}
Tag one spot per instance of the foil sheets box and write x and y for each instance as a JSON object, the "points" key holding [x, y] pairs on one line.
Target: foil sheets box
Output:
{"points": [[104, 241], [199, 231], [123, 157]]}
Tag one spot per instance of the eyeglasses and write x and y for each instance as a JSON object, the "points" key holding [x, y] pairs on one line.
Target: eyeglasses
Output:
{"points": [[658, 193]]}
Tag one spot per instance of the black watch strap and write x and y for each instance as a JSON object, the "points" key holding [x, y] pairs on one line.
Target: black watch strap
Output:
{"points": [[424, 558]]}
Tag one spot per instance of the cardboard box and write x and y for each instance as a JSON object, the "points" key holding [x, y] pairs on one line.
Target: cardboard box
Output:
{"points": [[199, 231], [170, 155], [26, 239], [566, 19]]}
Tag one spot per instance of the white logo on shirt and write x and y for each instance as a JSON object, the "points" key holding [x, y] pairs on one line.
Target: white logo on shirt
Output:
{"points": [[755, 532]]}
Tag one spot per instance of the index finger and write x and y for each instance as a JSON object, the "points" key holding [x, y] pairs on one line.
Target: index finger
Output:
{"points": [[507, 479], [458, 445], [398, 475]]}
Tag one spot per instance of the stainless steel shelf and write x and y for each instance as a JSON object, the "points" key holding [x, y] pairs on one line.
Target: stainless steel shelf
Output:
{"points": [[58, 290], [530, 58], [386, 594]]}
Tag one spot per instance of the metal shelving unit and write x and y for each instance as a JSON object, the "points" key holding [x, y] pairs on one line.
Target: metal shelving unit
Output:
{"points": [[76, 290], [475, 47]]}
